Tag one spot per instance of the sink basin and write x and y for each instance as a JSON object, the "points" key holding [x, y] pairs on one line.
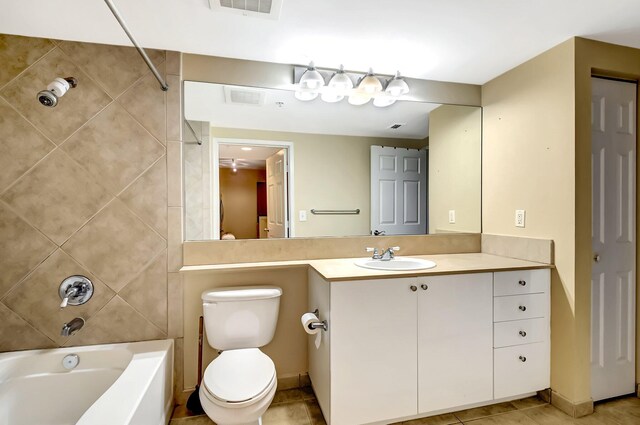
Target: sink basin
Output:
{"points": [[398, 264]]}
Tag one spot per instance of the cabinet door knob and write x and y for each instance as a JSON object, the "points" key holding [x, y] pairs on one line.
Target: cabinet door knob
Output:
{"points": [[522, 308], [522, 359], [414, 288], [522, 282], [522, 333], [424, 286]]}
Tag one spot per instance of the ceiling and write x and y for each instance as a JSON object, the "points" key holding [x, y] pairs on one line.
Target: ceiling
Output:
{"points": [[281, 111], [254, 159], [470, 41]]}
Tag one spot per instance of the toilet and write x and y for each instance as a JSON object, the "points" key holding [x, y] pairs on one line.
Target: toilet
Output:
{"points": [[238, 386]]}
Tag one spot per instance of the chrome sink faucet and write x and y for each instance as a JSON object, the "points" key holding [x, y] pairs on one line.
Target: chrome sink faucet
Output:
{"points": [[71, 327], [387, 254]]}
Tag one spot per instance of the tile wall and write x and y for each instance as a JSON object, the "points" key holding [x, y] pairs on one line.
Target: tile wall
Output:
{"points": [[84, 190]]}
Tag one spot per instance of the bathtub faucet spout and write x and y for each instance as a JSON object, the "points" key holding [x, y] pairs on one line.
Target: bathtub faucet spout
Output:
{"points": [[71, 327]]}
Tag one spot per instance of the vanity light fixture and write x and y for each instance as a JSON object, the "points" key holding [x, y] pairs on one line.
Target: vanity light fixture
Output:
{"points": [[310, 82]]}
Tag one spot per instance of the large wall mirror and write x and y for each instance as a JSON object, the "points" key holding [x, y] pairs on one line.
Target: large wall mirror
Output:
{"points": [[259, 163]]}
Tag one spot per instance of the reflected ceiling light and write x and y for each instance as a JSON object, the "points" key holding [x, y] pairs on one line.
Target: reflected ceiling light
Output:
{"points": [[246, 148], [397, 86], [383, 101], [358, 99], [305, 95], [311, 79]]}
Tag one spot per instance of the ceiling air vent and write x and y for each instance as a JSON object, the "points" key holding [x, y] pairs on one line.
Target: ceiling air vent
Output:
{"points": [[395, 126], [244, 96], [269, 9]]}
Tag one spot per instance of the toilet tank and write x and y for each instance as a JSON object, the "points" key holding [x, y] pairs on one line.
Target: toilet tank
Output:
{"points": [[240, 317]]}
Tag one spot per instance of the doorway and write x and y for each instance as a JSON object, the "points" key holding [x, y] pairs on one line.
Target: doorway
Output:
{"points": [[613, 273], [251, 189]]}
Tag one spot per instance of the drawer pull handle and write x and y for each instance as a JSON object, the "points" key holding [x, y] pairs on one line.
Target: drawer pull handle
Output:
{"points": [[522, 333], [414, 288], [522, 359], [522, 282], [424, 287], [522, 308]]}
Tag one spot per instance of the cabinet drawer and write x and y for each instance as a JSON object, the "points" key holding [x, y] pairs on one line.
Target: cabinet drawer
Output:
{"points": [[521, 369], [520, 282], [519, 332], [518, 307]]}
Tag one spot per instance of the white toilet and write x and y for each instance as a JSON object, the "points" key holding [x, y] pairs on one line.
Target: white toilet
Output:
{"points": [[238, 386]]}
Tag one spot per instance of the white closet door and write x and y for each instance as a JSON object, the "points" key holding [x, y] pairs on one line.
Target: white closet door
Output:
{"points": [[613, 274], [398, 190]]}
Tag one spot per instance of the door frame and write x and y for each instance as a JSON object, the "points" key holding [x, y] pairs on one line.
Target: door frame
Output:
{"points": [[215, 177]]}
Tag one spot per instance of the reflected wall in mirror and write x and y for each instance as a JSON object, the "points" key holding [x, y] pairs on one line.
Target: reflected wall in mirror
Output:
{"points": [[258, 163]]}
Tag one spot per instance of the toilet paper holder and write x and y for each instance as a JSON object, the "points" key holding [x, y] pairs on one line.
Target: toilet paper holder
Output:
{"points": [[315, 325]]}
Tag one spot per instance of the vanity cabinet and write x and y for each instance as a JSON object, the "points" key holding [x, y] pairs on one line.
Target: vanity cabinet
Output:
{"points": [[398, 348]]}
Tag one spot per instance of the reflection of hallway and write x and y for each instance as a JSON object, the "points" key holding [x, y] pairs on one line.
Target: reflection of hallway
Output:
{"points": [[239, 193]]}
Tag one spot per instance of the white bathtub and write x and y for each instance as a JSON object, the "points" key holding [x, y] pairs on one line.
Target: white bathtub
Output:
{"points": [[115, 384]]}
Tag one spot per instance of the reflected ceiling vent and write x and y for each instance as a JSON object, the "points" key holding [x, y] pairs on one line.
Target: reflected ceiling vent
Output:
{"points": [[396, 126], [269, 9], [244, 96]]}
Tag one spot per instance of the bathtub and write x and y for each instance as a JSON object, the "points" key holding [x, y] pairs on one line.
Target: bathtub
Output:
{"points": [[115, 384]]}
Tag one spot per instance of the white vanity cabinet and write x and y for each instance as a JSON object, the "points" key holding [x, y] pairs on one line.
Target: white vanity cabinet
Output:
{"points": [[398, 348]]}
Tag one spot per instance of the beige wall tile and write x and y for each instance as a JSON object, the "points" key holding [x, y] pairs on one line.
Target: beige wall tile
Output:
{"points": [[147, 197], [115, 68], [36, 299], [147, 292], [175, 238], [115, 245], [178, 359], [174, 108], [175, 304], [75, 109], [21, 145], [116, 322], [130, 150], [146, 102], [22, 248], [174, 63], [16, 334], [56, 196], [17, 53], [174, 174]]}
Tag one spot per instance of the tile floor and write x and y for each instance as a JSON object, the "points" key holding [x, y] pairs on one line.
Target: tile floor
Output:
{"points": [[299, 407]]}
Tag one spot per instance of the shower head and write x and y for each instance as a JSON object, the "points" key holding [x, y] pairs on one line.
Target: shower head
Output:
{"points": [[55, 90]]}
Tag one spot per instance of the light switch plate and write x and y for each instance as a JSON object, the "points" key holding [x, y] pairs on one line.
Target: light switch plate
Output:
{"points": [[302, 215], [452, 216], [520, 218]]}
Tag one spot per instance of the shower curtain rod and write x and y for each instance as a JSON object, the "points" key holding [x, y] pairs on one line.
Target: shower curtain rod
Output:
{"points": [[150, 64]]}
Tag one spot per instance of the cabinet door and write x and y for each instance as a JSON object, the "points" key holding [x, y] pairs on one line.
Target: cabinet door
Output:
{"points": [[373, 350], [455, 341]]}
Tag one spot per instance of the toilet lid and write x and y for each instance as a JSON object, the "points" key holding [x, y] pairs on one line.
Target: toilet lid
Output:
{"points": [[239, 375]]}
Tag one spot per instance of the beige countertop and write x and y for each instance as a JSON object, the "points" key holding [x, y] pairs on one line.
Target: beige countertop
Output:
{"points": [[345, 269]]}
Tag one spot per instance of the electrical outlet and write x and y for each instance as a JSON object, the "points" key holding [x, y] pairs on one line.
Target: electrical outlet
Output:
{"points": [[452, 216], [520, 216], [302, 215]]}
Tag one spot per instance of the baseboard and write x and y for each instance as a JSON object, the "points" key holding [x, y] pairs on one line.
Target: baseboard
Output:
{"points": [[575, 410], [295, 381]]}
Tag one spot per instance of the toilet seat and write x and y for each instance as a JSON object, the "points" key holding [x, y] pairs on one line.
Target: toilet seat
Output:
{"points": [[238, 378]]}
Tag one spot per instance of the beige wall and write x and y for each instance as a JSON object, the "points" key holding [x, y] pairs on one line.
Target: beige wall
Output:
{"points": [[529, 163], [330, 172], [83, 190], [455, 168], [239, 194]]}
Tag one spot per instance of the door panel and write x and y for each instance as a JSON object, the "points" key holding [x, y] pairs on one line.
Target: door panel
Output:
{"points": [[277, 223], [398, 190], [455, 335], [613, 277]]}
